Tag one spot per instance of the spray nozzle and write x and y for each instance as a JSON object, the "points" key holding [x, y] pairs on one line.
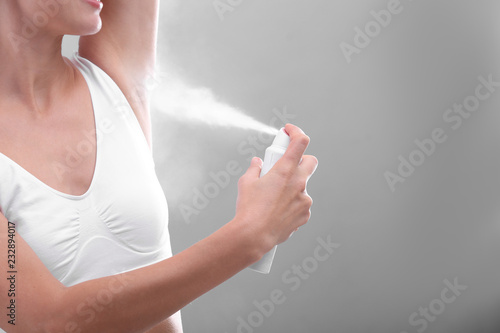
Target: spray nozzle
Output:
{"points": [[282, 139]]}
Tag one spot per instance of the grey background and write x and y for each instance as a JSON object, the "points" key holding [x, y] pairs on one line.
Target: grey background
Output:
{"points": [[396, 248]]}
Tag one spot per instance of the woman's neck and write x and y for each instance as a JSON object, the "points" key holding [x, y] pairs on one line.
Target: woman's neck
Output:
{"points": [[33, 71]]}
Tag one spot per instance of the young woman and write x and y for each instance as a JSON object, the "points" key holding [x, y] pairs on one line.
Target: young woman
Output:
{"points": [[83, 223]]}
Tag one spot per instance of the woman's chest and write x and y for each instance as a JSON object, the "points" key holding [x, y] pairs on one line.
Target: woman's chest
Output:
{"points": [[59, 149]]}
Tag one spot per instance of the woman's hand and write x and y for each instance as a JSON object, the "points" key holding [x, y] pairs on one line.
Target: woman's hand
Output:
{"points": [[274, 206]]}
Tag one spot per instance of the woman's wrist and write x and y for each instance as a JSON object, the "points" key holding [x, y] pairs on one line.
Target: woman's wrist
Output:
{"points": [[254, 241]]}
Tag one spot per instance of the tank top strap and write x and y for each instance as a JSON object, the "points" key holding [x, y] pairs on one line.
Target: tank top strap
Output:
{"points": [[111, 107]]}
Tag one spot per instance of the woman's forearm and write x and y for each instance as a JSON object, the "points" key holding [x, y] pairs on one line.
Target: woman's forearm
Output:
{"points": [[137, 300]]}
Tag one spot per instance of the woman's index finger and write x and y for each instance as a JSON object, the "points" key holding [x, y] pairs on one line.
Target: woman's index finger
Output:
{"points": [[298, 144]]}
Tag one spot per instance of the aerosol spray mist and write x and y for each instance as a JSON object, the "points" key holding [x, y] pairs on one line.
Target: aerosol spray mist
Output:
{"points": [[273, 154]]}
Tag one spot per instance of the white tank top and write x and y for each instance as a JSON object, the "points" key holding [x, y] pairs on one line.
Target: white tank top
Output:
{"points": [[120, 223]]}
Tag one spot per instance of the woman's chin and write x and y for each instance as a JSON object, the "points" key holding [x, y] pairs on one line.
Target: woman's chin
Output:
{"points": [[87, 29]]}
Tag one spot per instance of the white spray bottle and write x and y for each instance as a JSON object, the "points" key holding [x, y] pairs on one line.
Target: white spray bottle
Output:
{"points": [[273, 154]]}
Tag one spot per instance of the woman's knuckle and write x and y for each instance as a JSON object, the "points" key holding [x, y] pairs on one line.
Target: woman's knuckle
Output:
{"points": [[306, 202], [306, 217], [286, 173], [242, 181], [304, 140]]}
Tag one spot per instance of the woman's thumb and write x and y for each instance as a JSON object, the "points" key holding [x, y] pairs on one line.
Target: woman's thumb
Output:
{"points": [[254, 168]]}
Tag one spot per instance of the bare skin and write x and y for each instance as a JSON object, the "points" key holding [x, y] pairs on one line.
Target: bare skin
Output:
{"points": [[45, 105]]}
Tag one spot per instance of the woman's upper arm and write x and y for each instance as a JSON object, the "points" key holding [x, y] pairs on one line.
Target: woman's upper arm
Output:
{"points": [[29, 290], [125, 49]]}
